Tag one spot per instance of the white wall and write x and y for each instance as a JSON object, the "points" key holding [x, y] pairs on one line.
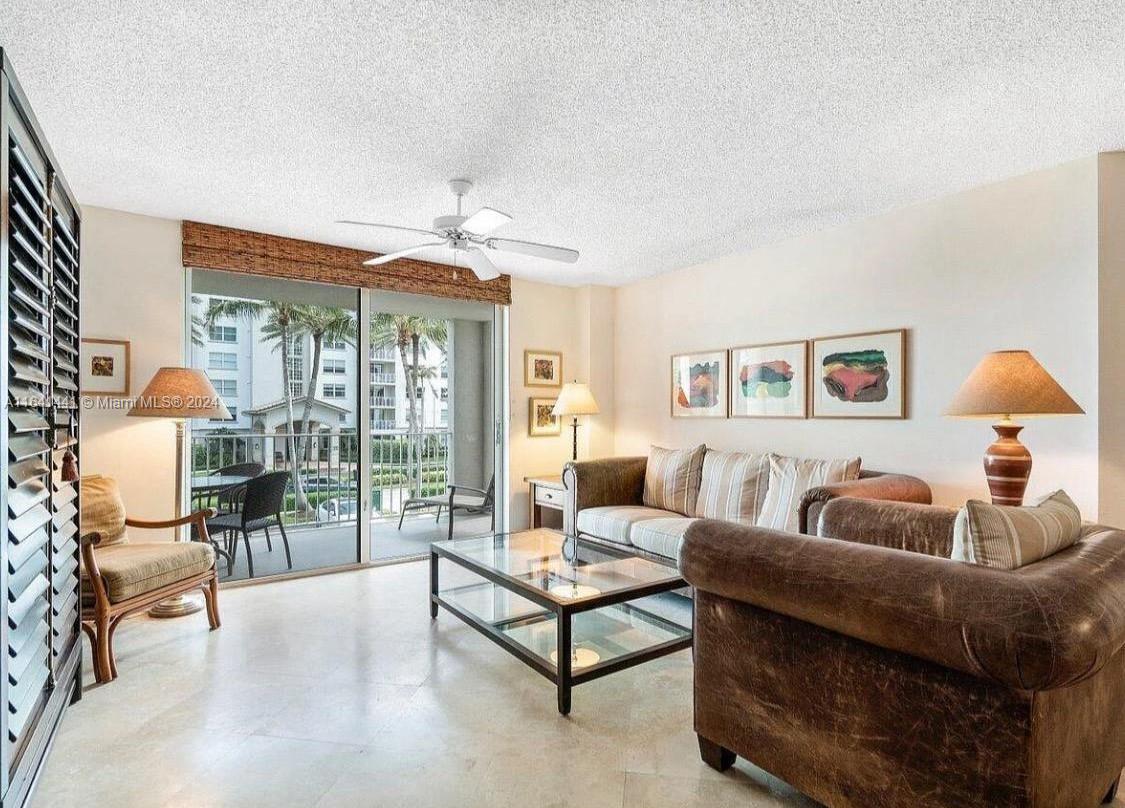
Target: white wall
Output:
{"points": [[1010, 265], [133, 288]]}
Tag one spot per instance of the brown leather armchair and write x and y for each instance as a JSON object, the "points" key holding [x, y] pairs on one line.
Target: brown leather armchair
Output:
{"points": [[867, 670]]}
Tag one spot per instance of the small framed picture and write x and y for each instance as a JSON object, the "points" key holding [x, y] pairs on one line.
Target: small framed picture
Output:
{"points": [[699, 385], [105, 368], [769, 381], [859, 375], [542, 369], [541, 420]]}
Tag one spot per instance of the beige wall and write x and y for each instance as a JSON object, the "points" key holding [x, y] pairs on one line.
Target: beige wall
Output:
{"points": [[133, 288], [1010, 265], [1111, 296]]}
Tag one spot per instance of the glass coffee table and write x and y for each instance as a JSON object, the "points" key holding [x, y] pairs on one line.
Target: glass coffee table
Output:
{"points": [[569, 610]]}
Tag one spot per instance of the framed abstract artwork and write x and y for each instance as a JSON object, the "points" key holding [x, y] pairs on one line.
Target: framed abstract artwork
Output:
{"points": [[105, 368], [542, 369], [859, 375], [769, 381], [541, 421], [699, 385]]}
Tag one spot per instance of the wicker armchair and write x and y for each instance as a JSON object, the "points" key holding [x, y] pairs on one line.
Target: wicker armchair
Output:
{"points": [[120, 577]]}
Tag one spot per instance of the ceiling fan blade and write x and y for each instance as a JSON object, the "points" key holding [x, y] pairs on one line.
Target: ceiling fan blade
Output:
{"points": [[480, 265], [384, 259], [531, 248], [484, 221], [389, 227]]}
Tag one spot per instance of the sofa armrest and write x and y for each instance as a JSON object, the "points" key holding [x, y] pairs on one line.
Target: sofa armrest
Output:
{"points": [[897, 487], [900, 525], [595, 483], [1046, 625]]}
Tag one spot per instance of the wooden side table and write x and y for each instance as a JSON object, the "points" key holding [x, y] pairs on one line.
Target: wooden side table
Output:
{"points": [[546, 501]]}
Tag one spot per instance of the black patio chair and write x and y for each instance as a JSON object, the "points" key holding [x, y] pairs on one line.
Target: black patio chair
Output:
{"points": [[229, 498], [262, 503], [459, 498]]}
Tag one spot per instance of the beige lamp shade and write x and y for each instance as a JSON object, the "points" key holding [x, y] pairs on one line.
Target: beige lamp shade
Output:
{"points": [[1008, 383], [575, 399], [180, 393]]}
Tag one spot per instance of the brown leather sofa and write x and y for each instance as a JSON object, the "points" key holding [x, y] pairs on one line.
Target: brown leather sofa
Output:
{"points": [[867, 670], [620, 481]]}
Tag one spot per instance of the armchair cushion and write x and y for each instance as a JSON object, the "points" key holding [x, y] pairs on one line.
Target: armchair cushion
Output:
{"points": [[135, 568], [1007, 537], [103, 511]]}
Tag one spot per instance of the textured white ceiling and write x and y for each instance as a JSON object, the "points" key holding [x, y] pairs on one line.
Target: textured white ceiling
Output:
{"points": [[648, 135]]}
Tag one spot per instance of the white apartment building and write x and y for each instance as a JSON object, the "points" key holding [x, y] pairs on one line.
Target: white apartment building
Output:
{"points": [[245, 369]]}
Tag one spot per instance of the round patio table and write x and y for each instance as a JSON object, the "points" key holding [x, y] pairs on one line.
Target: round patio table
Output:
{"points": [[213, 483]]}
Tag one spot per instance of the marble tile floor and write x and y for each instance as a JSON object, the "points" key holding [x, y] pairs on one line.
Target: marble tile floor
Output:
{"points": [[339, 691]]}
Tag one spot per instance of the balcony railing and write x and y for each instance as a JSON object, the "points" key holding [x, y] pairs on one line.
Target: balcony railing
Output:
{"points": [[383, 355], [383, 378], [402, 465], [383, 403]]}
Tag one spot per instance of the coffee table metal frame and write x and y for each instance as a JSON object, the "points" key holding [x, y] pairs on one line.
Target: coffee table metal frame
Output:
{"points": [[561, 674]]}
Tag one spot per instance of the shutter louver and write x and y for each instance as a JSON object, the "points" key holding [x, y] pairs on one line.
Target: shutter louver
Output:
{"points": [[40, 655], [29, 529]]}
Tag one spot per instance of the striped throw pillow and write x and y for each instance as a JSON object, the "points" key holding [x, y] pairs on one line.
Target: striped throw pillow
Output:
{"points": [[733, 487], [1008, 537], [672, 478], [790, 478]]}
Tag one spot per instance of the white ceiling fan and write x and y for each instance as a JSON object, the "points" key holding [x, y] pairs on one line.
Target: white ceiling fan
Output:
{"points": [[469, 236]]}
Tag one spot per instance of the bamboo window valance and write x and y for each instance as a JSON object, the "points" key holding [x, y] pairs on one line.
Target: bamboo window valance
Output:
{"points": [[209, 246]]}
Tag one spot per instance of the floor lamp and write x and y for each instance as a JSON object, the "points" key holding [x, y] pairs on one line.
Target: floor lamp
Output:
{"points": [[180, 394], [575, 399]]}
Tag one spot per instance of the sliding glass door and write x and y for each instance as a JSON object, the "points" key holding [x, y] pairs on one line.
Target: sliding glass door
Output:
{"points": [[378, 417], [433, 422], [283, 356]]}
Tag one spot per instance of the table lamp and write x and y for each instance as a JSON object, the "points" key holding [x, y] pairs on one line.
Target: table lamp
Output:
{"points": [[179, 393], [1003, 385], [574, 400]]}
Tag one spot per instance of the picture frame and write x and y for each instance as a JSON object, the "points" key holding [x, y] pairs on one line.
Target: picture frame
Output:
{"points": [[698, 384], [769, 380], [860, 375], [541, 422], [542, 368], [106, 368]]}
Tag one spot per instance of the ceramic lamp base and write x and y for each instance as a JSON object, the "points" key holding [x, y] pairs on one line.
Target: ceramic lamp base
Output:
{"points": [[177, 606], [1007, 465]]}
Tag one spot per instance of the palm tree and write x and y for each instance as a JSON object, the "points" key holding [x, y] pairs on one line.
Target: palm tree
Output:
{"points": [[282, 324], [416, 334], [321, 323]]}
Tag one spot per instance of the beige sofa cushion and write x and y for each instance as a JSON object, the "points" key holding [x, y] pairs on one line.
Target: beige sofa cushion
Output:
{"points": [[733, 486], [138, 567], [1008, 537], [661, 537], [672, 478], [790, 478], [102, 510], [615, 522]]}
